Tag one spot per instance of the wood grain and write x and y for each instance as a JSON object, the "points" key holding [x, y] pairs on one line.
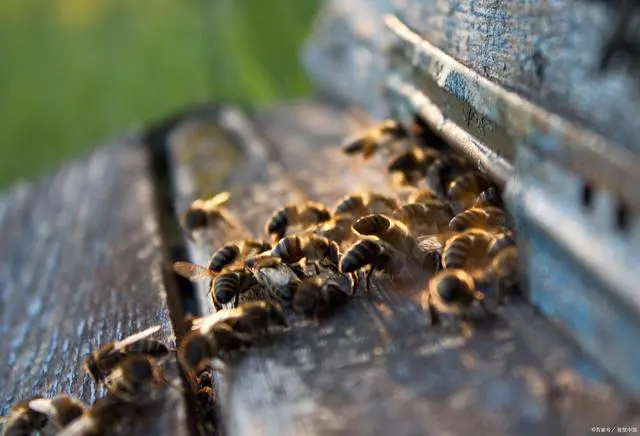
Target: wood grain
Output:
{"points": [[80, 267], [377, 367]]}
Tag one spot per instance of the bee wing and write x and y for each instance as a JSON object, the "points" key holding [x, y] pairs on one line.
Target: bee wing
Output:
{"points": [[218, 200], [136, 337], [3, 419], [192, 271], [205, 323], [44, 406]]}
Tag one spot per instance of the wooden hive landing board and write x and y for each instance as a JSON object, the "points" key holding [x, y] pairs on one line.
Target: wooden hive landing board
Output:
{"points": [[377, 367], [80, 266]]}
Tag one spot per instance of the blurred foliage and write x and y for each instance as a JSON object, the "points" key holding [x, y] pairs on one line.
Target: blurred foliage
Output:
{"points": [[77, 71]]}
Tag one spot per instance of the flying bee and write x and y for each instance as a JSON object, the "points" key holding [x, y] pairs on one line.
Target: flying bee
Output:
{"points": [[390, 230], [204, 213], [464, 189], [278, 278], [452, 291], [374, 255], [102, 361], [482, 218], [422, 195], [318, 297], [227, 331], [338, 229], [467, 250], [304, 215], [230, 253], [371, 140], [426, 218], [30, 416]]}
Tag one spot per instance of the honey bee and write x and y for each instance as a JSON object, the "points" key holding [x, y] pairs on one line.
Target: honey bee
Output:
{"points": [[464, 189], [204, 213], [137, 379], [373, 255], [101, 362], [100, 419], [227, 331], [501, 276], [314, 249], [371, 140], [230, 253], [379, 203], [467, 250], [422, 195], [359, 205], [290, 215], [318, 297], [483, 218], [452, 291], [390, 230], [410, 167], [501, 241], [441, 172], [338, 229], [489, 197], [230, 284], [278, 278], [427, 218], [30, 416]]}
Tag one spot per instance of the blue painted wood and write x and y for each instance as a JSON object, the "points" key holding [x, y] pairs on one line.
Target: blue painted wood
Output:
{"points": [[79, 267]]}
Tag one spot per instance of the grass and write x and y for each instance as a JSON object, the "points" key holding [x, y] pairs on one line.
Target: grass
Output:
{"points": [[75, 72]]}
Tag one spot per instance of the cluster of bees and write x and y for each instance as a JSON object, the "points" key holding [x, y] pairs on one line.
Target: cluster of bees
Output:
{"points": [[445, 220]]}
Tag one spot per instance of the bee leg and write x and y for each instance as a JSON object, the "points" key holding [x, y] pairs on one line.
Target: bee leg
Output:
{"points": [[236, 300], [367, 281], [434, 315], [355, 283], [316, 267]]}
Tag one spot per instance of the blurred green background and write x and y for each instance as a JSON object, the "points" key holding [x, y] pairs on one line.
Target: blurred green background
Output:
{"points": [[74, 72]]}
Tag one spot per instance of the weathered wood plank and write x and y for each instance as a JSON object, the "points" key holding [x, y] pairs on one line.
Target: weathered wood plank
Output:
{"points": [[80, 266], [377, 366]]}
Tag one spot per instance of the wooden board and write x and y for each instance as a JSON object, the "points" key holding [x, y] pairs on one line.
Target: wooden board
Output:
{"points": [[377, 367], [80, 266]]}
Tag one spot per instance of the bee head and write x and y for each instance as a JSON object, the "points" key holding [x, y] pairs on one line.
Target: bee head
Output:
{"points": [[195, 349], [91, 365], [306, 299]]}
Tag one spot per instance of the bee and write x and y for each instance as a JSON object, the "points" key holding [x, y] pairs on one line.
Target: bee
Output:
{"points": [[501, 276], [230, 253], [338, 229], [412, 165], [452, 291], [30, 416], [489, 197], [359, 205], [426, 218], [314, 249], [422, 195], [290, 215], [467, 250], [100, 419], [379, 203], [376, 255], [390, 230], [441, 172], [204, 213], [318, 297], [278, 278], [483, 218], [230, 284], [371, 140], [501, 241], [227, 331], [464, 189], [137, 379], [101, 362]]}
